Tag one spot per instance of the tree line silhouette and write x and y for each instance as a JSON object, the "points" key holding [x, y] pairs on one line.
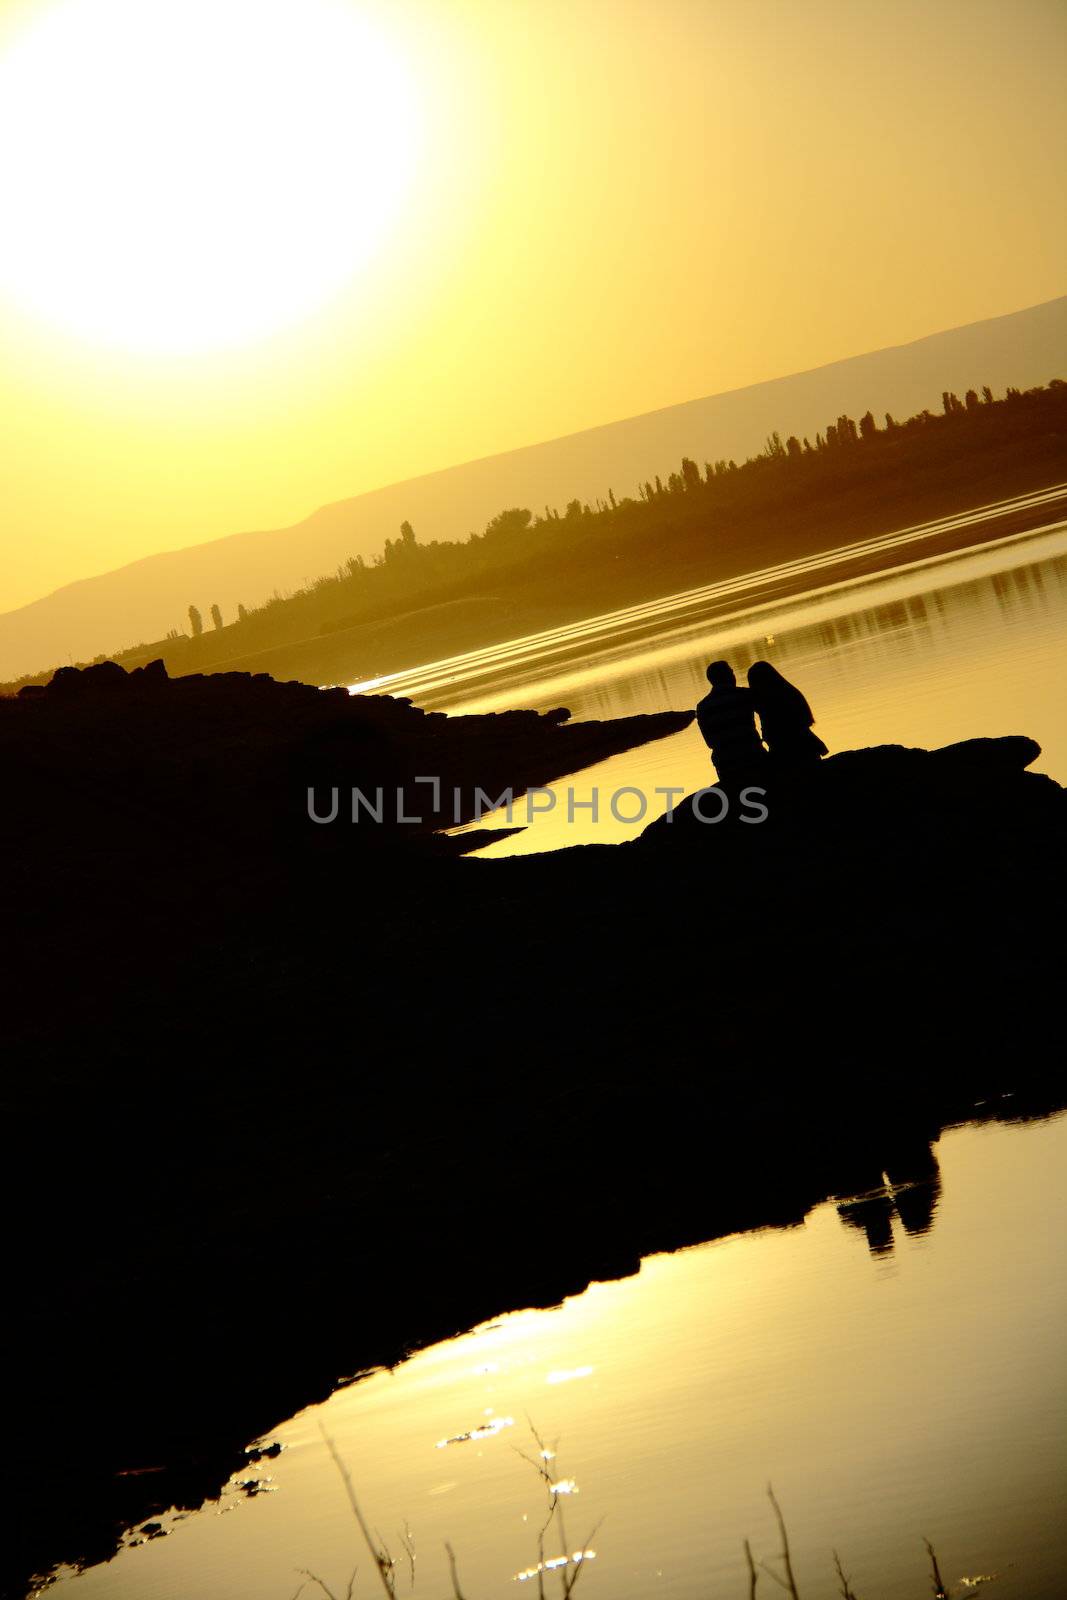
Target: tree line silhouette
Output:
{"points": [[704, 521]]}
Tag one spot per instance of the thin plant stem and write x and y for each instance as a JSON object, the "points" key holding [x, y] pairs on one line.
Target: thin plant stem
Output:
{"points": [[847, 1591], [407, 1541], [578, 1565], [753, 1575], [313, 1577], [787, 1560], [456, 1590], [940, 1592], [381, 1563]]}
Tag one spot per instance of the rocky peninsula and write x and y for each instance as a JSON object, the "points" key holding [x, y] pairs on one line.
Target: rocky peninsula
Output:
{"points": [[252, 1061]]}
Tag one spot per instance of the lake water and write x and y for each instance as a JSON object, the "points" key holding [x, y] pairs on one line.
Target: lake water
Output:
{"points": [[919, 1391], [907, 1385], [926, 653]]}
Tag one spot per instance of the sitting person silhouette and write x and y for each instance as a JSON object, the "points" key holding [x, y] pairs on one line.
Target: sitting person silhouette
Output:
{"points": [[785, 718], [727, 721]]}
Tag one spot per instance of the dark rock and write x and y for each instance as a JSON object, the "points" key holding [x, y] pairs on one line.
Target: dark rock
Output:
{"points": [[80, 681], [65, 680], [870, 797], [264, 1452], [1008, 754], [152, 675], [105, 675], [227, 760], [205, 989]]}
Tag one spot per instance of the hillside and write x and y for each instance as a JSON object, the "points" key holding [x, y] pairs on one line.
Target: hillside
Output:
{"points": [[795, 499], [148, 598]]}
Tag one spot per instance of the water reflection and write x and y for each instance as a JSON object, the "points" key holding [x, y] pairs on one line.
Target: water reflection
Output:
{"points": [[912, 1204], [908, 1193], [678, 1392], [1012, 607], [554, 1564], [484, 1430], [967, 648], [765, 1355]]}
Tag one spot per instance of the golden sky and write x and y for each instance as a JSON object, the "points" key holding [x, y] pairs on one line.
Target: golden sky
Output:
{"points": [[538, 216]]}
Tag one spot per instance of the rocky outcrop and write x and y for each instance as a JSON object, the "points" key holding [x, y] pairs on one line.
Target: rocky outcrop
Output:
{"points": [[250, 1062], [226, 760], [870, 798]]}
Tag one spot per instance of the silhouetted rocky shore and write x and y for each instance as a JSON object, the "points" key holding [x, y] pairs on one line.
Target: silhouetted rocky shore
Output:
{"points": [[226, 760], [282, 1100]]}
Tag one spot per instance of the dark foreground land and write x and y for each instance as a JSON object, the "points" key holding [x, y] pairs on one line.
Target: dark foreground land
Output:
{"points": [[283, 1100]]}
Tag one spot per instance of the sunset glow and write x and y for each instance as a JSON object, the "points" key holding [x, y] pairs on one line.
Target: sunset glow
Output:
{"points": [[259, 257], [197, 173], [532, 623]]}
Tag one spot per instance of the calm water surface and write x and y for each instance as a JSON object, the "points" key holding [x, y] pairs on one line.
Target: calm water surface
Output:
{"points": [[920, 1391], [924, 654], [917, 1391]]}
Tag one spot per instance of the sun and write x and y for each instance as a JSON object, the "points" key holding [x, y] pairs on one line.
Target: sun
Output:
{"points": [[182, 175]]}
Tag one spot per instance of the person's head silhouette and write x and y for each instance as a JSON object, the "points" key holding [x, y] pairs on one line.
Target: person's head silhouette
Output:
{"points": [[761, 675], [720, 675]]}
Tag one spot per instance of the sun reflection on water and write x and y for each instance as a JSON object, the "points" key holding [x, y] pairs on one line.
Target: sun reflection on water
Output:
{"points": [[554, 1563], [786, 1354], [485, 1430]]}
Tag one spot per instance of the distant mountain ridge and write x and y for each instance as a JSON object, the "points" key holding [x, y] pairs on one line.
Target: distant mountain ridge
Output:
{"points": [[143, 600]]}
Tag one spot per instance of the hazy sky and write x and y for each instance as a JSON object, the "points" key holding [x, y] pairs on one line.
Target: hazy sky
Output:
{"points": [[559, 214]]}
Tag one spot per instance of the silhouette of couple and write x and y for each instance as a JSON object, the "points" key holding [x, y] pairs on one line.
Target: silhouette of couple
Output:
{"points": [[726, 718]]}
